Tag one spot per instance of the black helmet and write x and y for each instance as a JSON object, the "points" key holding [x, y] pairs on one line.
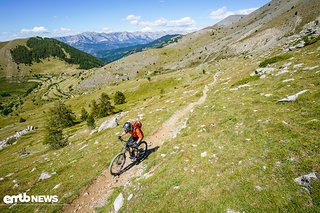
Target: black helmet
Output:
{"points": [[127, 127]]}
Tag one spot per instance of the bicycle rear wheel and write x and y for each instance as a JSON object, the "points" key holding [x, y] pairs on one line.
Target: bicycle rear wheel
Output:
{"points": [[117, 164], [142, 150]]}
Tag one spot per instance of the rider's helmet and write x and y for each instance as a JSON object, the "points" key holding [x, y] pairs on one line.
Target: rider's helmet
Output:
{"points": [[127, 127]]}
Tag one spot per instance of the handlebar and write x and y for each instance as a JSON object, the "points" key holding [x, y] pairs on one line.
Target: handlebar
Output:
{"points": [[121, 139]]}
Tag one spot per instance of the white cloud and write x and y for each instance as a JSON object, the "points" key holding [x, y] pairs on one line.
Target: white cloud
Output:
{"points": [[223, 12], [146, 29], [3, 33], [133, 19], [40, 29], [161, 22]]}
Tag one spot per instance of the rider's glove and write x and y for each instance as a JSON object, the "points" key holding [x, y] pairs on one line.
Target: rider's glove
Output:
{"points": [[119, 137]]}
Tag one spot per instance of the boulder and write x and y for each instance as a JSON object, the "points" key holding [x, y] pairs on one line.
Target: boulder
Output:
{"points": [[264, 70], [118, 203], [130, 197], [204, 154], [292, 97], [110, 123], [305, 180], [298, 65], [44, 175]]}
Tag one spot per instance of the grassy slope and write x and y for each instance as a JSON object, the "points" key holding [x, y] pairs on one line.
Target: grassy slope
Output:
{"points": [[70, 162], [51, 65], [249, 145], [243, 133]]}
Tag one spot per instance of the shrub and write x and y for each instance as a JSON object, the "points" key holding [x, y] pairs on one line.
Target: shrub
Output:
{"points": [[91, 122], [84, 114], [54, 137], [119, 98], [309, 41], [246, 80], [61, 115], [21, 120], [274, 59], [5, 94], [94, 108]]}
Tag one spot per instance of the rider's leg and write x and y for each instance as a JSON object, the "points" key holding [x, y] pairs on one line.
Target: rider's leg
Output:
{"points": [[132, 144]]}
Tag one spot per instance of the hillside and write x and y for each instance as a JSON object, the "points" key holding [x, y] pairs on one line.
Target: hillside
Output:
{"points": [[253, 35], [42, 65], [115, 54], [25, 57], [230, 114]]}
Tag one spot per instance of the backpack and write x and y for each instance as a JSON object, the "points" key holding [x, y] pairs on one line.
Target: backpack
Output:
{"points": [[137, 124]]}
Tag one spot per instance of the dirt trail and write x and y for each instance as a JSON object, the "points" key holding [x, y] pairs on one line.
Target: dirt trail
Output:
{"points": [[97, 193]]}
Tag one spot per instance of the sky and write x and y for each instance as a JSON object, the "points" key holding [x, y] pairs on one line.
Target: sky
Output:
{"points": [[51, 18]]}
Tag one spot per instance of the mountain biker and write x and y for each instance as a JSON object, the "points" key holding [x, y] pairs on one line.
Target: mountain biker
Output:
{"points": [[134, 128]]}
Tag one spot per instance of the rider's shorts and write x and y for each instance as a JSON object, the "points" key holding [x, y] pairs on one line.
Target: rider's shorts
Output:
{"points": [[132, 142]]}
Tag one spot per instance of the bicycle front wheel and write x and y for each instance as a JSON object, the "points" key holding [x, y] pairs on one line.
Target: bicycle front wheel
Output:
{"points": [[117, 164]]}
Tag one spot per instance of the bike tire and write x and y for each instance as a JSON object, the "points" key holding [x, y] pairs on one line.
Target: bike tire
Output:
{"points": [[142, 150], [119, 160]]}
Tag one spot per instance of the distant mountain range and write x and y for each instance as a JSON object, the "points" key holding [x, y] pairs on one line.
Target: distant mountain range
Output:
{"points": [[115, 54], [92, 42]]}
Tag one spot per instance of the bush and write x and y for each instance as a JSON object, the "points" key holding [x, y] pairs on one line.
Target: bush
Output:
{"points": [[6, 110], [91, 122], [84, 114], [246, 80], [5, 94], [54, 138], [119, 98], [94, 108], [21, 120], [61, 115], [309, 41], [275, 59]]}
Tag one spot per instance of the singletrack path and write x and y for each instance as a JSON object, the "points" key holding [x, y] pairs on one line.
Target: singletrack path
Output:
{"points": [[96, 194]]}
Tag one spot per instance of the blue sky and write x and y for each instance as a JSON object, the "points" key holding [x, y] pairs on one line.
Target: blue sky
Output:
{"points": [[26, 18]]}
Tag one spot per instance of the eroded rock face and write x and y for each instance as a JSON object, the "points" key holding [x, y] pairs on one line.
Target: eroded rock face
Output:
{"points": [[10, 140]]}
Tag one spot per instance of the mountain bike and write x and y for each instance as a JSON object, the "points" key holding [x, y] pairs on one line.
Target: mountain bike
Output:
{"points": [[119, 160]]}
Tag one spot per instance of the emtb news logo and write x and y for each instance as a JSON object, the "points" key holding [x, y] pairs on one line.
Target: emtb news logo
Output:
{"points": [[24, 198]]}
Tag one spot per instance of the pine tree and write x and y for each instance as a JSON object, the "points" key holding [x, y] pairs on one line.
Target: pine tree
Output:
{"points": [[119, 98], [60, 116], [94, 108], [91, 122], [105, 106], [84, 114]]}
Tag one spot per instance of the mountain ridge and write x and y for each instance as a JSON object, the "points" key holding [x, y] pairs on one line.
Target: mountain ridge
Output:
{"points": [[92, 42]]}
